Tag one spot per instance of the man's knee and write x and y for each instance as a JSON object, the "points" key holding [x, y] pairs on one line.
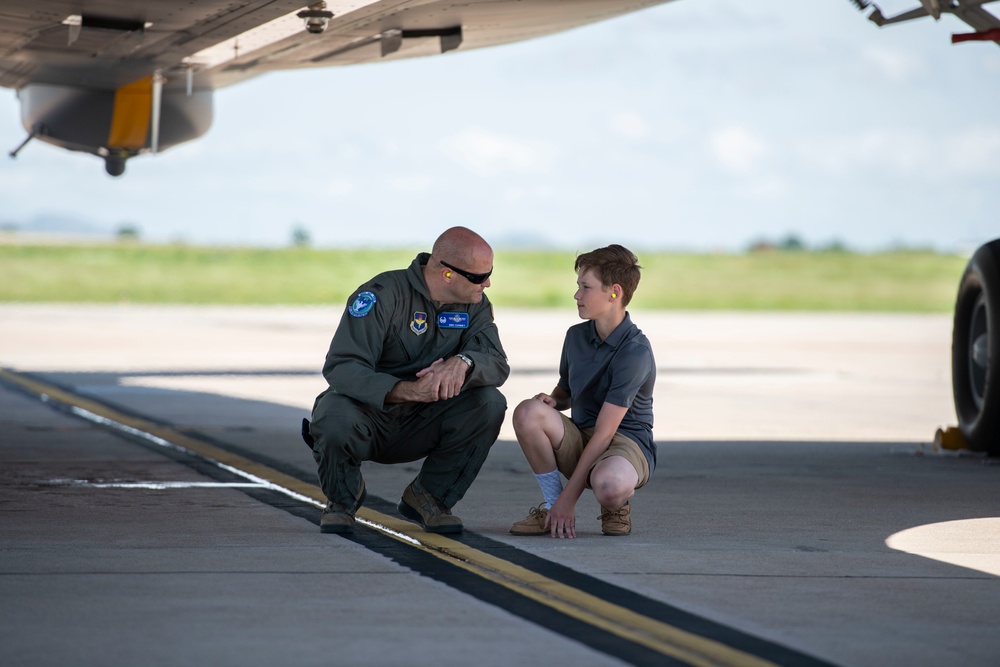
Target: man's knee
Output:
{"points": [[339, 421], [492, 404]]}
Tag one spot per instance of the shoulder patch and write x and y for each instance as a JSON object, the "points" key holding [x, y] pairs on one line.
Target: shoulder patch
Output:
{"points": [[362, 305]]}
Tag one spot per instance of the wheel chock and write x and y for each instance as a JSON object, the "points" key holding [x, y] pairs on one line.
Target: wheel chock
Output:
{"points": [[949, 438]]}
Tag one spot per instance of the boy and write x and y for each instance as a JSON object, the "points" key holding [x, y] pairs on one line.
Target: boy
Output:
{"points": [[606, 377]]}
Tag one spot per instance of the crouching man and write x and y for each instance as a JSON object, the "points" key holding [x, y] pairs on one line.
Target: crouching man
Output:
{"points": [[413, 370]]}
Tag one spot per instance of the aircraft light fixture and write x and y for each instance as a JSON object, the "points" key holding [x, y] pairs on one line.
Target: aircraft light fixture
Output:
{"points": [[316, 17], [271, 32]]}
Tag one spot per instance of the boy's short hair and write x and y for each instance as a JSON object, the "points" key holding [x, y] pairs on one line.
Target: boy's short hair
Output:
{"points": [[612, 264]]}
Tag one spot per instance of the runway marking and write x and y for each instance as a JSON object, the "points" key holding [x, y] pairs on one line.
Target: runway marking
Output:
{"points": [[671, 642], [152, 486]]}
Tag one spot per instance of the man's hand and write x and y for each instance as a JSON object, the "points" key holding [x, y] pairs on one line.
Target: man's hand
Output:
{"points": [[439, 381]]}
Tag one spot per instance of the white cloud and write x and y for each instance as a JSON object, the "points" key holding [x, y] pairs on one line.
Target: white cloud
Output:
{"points": [[515, 195], [937, 157], [738, 149], [629, 125], [339, 187], [900, 151], [894, 64], [766, 188], [973, 152], [411, 183], [488, 153]]}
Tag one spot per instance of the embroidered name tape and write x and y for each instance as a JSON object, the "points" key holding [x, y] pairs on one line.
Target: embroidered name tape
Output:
{"points": [[453, 320]]}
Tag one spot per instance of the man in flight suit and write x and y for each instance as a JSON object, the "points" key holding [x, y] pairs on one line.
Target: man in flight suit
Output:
{"points": [[413, 370]]}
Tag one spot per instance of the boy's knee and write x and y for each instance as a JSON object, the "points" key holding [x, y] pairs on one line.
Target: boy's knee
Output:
{"points": [[613, 485], [528, 413], [613, 495]]}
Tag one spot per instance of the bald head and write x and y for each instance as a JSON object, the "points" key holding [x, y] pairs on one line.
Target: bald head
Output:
{"points": [[470, 254], [462, 247]]}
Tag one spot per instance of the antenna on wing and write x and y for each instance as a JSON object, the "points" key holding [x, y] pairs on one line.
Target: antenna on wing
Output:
{"points": [[36, 130]]}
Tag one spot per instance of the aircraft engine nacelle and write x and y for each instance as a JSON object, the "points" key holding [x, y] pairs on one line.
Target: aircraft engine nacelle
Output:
{"points": [[114, 124]]}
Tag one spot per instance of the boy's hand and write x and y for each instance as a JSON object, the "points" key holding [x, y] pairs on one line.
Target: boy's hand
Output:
{"points": [[561, 520], [546, 399]]}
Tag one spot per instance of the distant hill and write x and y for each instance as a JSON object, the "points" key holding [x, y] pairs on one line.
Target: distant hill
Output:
{"points": [[57, 224]]}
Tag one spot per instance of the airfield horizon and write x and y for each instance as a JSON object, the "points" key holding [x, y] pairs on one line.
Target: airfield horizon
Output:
{"points": [[835, 280]]}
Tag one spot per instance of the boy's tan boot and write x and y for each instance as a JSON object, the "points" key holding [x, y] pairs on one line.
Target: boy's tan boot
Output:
{"points": [[616, 522], [534, 524]]}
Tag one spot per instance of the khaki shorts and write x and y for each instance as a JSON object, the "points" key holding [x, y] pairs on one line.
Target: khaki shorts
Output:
{"points": [[576, 438]]}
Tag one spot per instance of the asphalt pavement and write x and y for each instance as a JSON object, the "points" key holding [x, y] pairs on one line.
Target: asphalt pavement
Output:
{"points": [[158, 507]]}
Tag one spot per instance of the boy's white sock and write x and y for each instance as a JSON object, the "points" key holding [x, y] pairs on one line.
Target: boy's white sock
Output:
{"points": [[551, 484]]}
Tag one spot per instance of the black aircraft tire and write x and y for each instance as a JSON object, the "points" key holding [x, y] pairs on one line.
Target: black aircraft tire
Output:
{"points": [[975, 351]]}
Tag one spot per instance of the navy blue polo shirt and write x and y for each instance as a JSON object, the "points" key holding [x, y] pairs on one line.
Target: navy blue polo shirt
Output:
{"points": [[620, 370]]}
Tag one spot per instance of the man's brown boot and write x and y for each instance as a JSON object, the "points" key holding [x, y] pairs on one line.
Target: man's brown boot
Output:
{"points": [[340, 519], [429, 512]]}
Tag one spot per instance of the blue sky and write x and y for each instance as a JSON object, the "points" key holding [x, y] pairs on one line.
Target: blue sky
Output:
{"points": [[700, 125]]}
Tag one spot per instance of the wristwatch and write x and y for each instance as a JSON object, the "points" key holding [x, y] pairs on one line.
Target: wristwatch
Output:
{"points": [[467, 360]]}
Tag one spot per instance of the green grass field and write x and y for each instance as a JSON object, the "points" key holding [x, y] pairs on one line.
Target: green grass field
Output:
{"points": [[810, 281]]}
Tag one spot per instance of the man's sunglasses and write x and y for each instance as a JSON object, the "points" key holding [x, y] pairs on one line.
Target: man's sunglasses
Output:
{"points": [[474, 278]]}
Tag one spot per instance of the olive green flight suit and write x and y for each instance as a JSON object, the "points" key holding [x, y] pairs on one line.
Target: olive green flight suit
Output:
{"points": [[390, 331]]}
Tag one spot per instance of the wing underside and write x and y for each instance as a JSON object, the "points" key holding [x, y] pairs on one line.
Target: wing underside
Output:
{"points": [[121, 78], [215, 43]]}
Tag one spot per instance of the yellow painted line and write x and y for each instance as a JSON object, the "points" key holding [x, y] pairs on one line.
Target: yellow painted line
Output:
{"points": [[609, 617], [656, 635], [131, 114]]}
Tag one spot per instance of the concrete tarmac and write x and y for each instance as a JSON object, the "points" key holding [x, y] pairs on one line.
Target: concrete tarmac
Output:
{"points": [[798, 505]]}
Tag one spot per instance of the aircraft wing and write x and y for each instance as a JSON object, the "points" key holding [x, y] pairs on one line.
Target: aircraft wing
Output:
{"points": [[118, 78], [986, 25]]}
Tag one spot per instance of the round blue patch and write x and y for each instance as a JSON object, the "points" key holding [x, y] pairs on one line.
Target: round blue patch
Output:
{"points": [[362, 304]]}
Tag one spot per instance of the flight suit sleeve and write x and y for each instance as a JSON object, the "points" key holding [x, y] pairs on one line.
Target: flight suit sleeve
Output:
{"points": [[482, 344], [351, 367]]}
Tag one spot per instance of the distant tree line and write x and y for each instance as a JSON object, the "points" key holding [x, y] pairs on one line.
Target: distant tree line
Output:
{"points": [[794, 243]]}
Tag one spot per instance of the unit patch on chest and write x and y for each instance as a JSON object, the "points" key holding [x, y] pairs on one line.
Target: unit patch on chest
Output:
{"points": [[418, 324]]}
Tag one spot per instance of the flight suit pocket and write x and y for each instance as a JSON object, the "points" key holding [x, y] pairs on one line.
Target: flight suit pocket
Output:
{"points": [[395, 352]]}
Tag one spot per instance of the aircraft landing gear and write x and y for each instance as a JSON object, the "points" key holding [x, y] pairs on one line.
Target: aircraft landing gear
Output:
{"points": [[975, 351]]}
